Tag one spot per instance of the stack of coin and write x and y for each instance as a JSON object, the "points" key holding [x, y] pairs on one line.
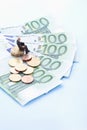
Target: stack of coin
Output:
{"points": [[16, 52], [26, 68]]}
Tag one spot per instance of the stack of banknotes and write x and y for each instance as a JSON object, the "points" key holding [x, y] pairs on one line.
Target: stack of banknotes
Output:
{"points": [[57, 53]]}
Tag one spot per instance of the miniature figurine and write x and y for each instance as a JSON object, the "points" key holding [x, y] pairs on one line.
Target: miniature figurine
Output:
{"points": [[22, 46]]}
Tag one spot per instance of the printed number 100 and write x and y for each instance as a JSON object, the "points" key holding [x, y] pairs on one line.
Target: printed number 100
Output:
{"points": [[35, 25]]}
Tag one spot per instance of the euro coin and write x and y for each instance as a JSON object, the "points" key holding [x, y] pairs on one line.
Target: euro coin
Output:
{"points": [[16, 52], [27, 79], [34, 62], [15, 77], [29, 70], [26, 57], [14, 61], [12, 70], [21, 67]]}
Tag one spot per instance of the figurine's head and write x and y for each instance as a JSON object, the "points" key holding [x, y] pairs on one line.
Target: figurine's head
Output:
{"points": [[19, 38]]}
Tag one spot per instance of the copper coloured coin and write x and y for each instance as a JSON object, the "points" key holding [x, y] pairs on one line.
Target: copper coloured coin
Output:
{"points": [[26, 57], [14, 61], [27, 79], [35, 61], [15, 77], [21, 67]]}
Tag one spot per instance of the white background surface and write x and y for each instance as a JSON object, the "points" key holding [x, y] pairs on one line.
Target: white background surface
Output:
{"points": [[64, 108]]}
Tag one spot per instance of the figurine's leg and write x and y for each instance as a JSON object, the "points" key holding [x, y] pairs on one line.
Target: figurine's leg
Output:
{"points": [[26, 49]]}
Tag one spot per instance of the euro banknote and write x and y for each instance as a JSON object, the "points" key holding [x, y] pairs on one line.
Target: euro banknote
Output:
{"points": [[56, 55], [35, 26]]}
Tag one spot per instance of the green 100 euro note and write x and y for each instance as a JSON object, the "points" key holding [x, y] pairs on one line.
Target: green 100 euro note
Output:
{"points": [[35, 26], [56, 55]]}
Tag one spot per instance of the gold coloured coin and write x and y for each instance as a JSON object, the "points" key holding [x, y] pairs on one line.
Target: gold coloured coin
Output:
{"points": [[14, 61], [21, 67], [29, 70], [15, 77], [27, 79], [12, 70], [35, 61]]}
